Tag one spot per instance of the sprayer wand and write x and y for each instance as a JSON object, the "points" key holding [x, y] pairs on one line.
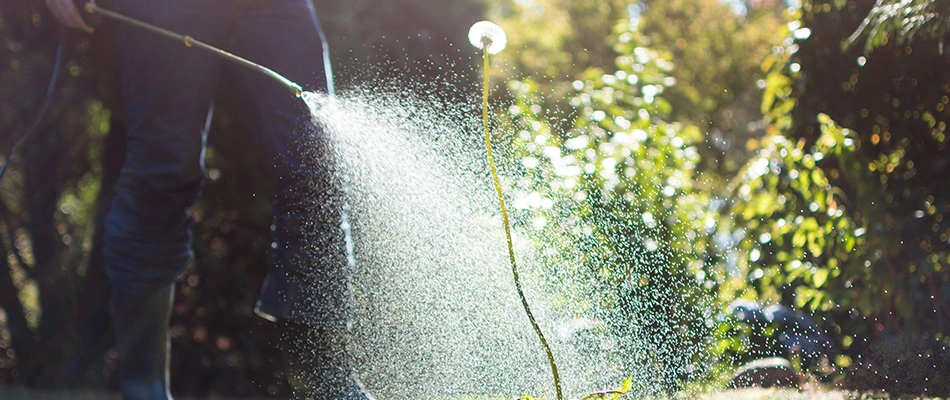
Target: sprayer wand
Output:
{"points": [[189, 41]]}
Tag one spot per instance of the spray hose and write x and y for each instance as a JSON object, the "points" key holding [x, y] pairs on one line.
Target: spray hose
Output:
{"points": [[189, 41], [41, 112]]}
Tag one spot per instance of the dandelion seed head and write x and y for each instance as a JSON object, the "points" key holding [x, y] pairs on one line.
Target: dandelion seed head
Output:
{"points": [[487, 35]]}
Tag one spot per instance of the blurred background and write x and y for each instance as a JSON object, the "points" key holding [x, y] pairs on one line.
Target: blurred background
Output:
{"points": [[793, 153]]}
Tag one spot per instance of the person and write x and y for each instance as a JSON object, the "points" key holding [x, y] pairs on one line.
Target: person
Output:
{"points": [[168, 92]]}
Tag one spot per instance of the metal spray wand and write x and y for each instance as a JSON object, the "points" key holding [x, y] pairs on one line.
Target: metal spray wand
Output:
{"points": [[189, 41]]}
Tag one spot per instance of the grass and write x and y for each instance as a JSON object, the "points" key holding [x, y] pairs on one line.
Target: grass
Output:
{"points": [[741, 394], [782, 394]]}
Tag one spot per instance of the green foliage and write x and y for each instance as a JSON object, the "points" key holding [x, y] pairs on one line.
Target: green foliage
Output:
{"points": [[716, 50], [48, 195], [552, 42], [796, 234], [615, 206], [551, 39], [718, 54], [616, 394], [843, 211], [903, 21], [628, 173]]}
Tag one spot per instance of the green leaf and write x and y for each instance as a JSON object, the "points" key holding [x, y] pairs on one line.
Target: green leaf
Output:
{"points": [[820, 277], [799, 238]]}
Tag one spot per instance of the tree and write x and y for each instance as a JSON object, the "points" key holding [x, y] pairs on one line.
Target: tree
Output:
{"points": [[843, 211], [574, 111], [616, 211], [51, 199], [552, 42], [718, 54], [903, 21]]}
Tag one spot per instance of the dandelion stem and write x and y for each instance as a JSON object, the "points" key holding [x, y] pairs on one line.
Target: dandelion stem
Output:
{"points": [[511, 249]]}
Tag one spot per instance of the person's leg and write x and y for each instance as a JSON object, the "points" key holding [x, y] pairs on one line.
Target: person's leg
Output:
{"points": [[167, 91], [309, 279], [307, 289]]}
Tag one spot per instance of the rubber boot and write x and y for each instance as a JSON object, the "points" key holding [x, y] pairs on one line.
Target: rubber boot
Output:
{"points": [[317, 363], [141, 328]]}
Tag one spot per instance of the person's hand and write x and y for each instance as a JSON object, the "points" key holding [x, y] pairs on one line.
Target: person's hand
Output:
{"points": [[67, 14]]}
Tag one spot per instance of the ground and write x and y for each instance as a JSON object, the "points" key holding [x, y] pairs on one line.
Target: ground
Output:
{"points": [[742, 394]]}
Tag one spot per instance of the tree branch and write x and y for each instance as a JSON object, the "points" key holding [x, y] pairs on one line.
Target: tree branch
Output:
{"points": [[24, 341]]}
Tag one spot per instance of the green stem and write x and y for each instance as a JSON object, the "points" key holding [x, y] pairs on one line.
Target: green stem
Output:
{"points": [[511, 249]]}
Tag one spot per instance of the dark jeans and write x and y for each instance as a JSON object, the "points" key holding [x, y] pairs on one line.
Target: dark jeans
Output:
{"points": [[168, 92]]}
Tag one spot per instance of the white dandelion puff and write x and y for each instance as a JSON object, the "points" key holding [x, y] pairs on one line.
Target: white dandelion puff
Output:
{"points": [[487, 35]]}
